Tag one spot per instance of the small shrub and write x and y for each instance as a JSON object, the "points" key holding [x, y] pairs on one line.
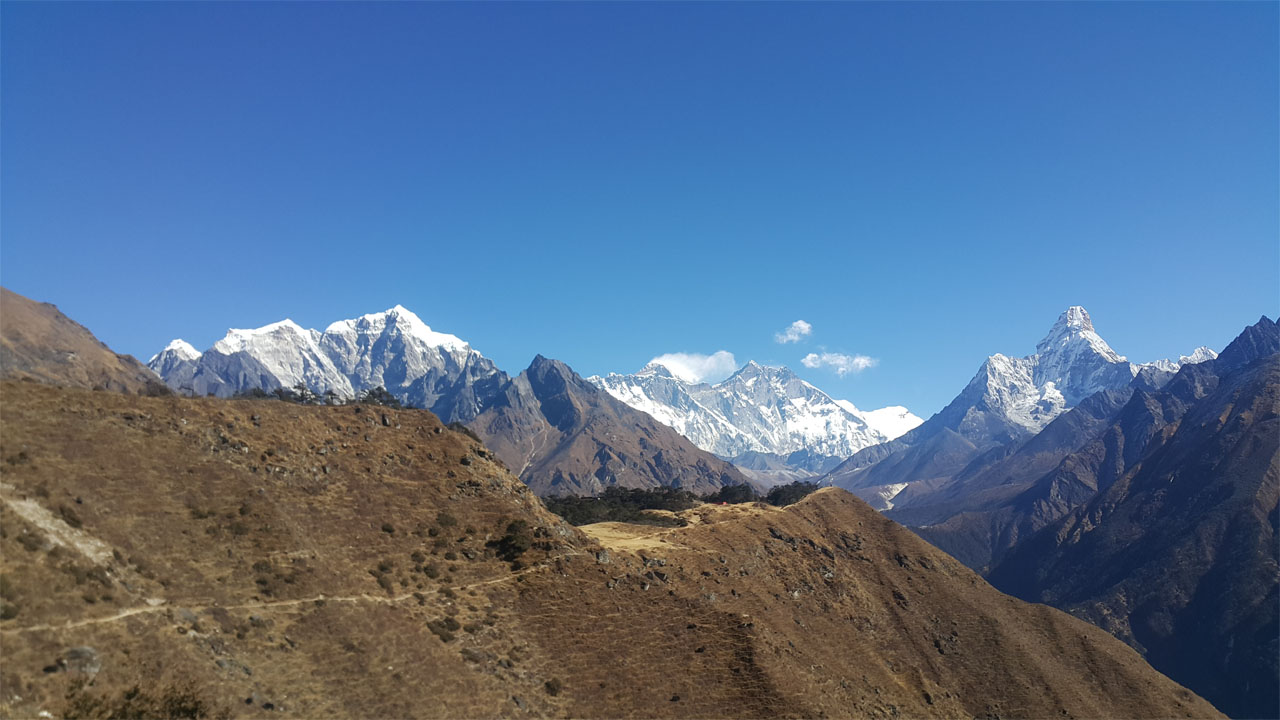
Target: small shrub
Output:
{"points": [[31, 541], [444, 519], [553, 686], [182, 702], [790, 493], [515, 543], [388, 528], [440, 630]]}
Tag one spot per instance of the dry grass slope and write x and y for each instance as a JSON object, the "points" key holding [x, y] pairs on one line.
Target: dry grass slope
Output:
{"points": [[37, 342], [256, 558]]}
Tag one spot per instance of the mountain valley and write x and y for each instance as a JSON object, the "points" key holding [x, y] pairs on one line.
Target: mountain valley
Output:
{"points": [[419, 529]]}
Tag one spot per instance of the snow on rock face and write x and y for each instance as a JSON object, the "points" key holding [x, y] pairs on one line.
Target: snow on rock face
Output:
{"points": [[893, 421], [1071, 363], [393, 349], [290, 353], [177, 353], [757, 409]]}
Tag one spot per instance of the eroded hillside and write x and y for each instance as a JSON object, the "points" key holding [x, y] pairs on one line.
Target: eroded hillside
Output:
{"points": [[257, 558]]}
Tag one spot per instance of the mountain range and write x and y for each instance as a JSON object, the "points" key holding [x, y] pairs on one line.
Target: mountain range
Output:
{"points": [[1163, 528], [560, 434], [759, 413], [774, 426], [1142, 498]]}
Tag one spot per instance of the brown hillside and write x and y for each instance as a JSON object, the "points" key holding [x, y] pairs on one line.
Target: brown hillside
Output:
{"points": [[37, 342], [564, 436], [263, 559]]}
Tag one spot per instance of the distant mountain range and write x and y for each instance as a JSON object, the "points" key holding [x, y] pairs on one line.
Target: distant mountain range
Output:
{"points": [[394, 350], [759, 413], [560, 434], [767, 420]]}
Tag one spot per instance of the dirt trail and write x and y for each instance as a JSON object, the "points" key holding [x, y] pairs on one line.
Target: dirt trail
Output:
{"points": [[160, 606], [58, 531]]}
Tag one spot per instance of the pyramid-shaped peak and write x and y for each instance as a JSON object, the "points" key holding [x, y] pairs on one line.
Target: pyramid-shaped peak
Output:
{"points": [[1075, 317], [1074, 328]]}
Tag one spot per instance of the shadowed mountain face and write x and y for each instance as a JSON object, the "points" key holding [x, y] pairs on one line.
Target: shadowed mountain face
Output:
{"points": [[564, 436], [37, 342], [1167, 529], [254, 558]]}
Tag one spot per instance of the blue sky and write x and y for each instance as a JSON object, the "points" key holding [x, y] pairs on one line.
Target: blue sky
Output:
{"points": [[924, 184]]}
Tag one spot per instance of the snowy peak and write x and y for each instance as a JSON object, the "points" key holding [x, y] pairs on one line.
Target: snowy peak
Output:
{"points": [[397, 320], [1199, 355], [178, 349], [758, 409], [393, 349], [655, 369], [1072, 335], [238, 340]]}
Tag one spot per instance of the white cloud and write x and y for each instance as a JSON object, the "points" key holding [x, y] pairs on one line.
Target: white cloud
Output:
{"points": [[696, 368], [794, 332], [842, 364]]}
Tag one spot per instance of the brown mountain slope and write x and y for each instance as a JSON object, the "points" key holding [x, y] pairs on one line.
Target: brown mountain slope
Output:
{"points": [[564, 436], [257, 558], [37, 342]]}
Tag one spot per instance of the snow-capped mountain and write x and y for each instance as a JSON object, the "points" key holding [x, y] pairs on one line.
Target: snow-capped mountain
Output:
{"points": [[173, 355], [1071, 363], [759, 409], [1009, 400], [392, 349], [1199, 355]]}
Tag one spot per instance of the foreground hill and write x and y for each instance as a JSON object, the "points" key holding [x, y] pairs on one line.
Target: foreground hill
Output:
{"points": [[207, 557], [38, 342]]}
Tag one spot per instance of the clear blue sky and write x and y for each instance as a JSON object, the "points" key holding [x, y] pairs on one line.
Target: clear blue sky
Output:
{"points": [[924, 184]]}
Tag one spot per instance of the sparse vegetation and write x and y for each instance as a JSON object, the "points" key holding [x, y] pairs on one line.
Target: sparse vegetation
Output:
{"points": [[171, 702], [617, 504], [790, 493], [629, 505], [732, 494], [515, 543]]}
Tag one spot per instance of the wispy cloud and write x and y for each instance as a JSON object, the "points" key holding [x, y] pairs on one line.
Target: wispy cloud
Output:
{"points": [[794, 332], [696, 368], [842, 364]]}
